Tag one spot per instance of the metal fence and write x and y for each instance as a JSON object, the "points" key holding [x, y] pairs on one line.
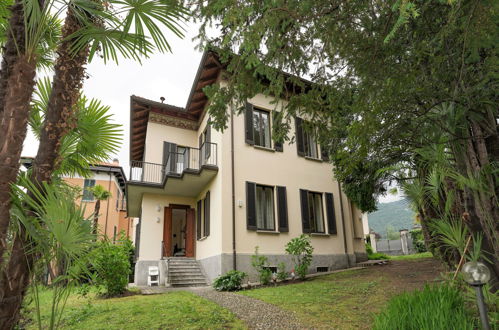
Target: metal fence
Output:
{"points": [[176, 163]]}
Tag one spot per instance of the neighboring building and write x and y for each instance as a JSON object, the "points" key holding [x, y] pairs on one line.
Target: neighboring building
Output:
{"points": [[112, 214], [214, 196]]}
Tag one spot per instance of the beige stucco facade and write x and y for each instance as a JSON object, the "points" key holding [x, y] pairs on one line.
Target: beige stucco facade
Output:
{"points": [[254, 164], [112, 215]]}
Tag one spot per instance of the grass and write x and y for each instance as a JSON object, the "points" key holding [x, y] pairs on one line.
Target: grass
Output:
{"points": [[342, 300], [172, 310], [416, 256]]}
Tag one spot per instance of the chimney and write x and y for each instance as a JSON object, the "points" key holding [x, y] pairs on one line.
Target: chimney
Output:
{"points": [[116, 161]]}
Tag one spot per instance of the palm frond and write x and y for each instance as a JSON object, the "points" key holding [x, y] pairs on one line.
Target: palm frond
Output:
{"points": [[94, 139], [453, 234]]}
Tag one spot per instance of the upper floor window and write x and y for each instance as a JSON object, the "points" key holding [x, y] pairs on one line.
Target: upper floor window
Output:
{"points": [[88, 196], [309, 145], [261, 128], [257, 124]]}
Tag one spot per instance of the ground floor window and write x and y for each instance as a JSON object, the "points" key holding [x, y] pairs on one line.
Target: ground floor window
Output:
{"points": [[316, 212], [265, 208]]}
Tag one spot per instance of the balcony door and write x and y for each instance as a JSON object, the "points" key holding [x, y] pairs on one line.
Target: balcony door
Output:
{"points": [[178, 231]]}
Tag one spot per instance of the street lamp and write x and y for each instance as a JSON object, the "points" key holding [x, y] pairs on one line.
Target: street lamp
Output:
{"points": [[477, 274]]}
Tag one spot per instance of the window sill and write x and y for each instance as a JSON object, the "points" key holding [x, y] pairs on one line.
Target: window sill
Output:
{"points": [[83, 201], [272, 232], [202, 238], [263, 148], [320, 234], [314, 159]]}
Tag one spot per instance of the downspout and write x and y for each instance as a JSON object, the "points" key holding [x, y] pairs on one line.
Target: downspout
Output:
{"points": [[343, 225], [234, 255], [107, 208]]}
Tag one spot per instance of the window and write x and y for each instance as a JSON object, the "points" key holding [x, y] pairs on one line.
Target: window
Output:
{"points": [[203, 217], [260, 208], [265, 208], [261, 128], [312, 212], [315, 212], [305, 141], [310, 145], [88, 196], [182, 159]]}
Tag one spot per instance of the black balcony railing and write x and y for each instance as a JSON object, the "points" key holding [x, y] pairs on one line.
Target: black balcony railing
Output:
{"points": [[184, 159]]}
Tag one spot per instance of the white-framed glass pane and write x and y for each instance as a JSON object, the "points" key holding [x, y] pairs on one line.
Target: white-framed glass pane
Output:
{"points": [[256, 128], [265, 126], [261, 128], [181, 158], [265, 208], [319, 221]]}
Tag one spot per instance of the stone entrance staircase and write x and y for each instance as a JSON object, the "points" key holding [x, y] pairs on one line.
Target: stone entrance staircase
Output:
{"points": [[184, 272]]}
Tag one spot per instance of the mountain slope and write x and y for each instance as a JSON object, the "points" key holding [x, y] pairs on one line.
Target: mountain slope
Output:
{"points": [[396, 214]]}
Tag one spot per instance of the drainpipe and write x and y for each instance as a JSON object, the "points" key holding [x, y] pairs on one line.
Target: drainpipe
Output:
{"points": [[107, 208], [343, 225], [234, 255]]}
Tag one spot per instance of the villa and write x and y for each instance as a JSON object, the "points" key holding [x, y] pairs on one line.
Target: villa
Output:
{"points": [[205, 199]]}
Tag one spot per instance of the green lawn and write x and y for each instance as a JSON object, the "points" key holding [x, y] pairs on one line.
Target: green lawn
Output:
{"points": [[175, 310], [350, 299], [412, 256]]}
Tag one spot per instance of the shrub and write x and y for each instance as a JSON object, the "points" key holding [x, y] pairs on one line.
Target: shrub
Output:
{"points": [[259, 262], [231, 281], [434, 307], [377, 256], [369, 249], [112, 267], [281, 271], [418, 240], [301, 249]]}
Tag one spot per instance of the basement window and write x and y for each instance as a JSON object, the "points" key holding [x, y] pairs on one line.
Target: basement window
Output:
{"points": [[322, 269]]}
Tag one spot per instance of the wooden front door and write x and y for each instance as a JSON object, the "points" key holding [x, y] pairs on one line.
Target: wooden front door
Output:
{"points": [[189, 233], [167, 233]]}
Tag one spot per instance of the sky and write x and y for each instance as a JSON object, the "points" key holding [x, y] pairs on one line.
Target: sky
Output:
{"points": [[169, 75]]}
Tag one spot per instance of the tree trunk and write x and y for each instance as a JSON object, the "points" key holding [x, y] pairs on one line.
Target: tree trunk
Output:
{"points": [[13, 47], [69, 73], [96, 216], [9, 162], [14, 127]]}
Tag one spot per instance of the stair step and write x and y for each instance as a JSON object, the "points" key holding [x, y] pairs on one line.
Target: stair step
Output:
{"points": [[187, 282], [187, 278], [185, 273]]}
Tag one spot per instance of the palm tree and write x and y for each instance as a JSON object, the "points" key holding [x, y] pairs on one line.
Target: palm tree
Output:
{"points": [[129, 28], [94, 138], [100, 194]]}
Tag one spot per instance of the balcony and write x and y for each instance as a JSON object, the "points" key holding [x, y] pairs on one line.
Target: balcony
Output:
{"points": [[185, 172]]}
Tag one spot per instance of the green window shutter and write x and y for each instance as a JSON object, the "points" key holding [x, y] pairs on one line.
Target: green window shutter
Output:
{"points": [[300, 147], [324, 154], [282, 209], [248, 124], [207, 214], [305, 216], [278, 146], [251, 206], [198, 220], [331, 216]]}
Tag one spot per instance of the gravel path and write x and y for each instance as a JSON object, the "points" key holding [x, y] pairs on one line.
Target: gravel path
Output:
{"points": [[257, 314]]}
